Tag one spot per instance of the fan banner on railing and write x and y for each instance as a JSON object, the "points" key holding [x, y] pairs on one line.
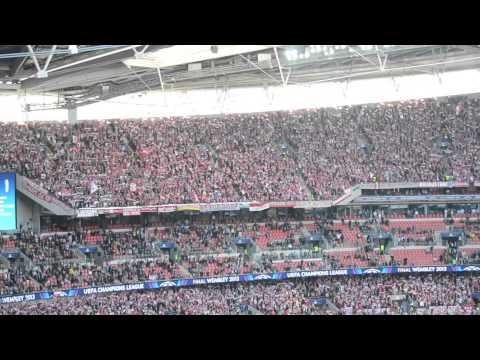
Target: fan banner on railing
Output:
{"points": [[167, 208], [87, 212], [188, 207], [233, 206], [148, 210], [131, 211], [311, 204], [46, 295], [260, 206]]}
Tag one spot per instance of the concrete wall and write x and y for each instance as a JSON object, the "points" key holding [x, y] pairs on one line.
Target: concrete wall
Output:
{"points": [[72, 115], [28, 212]]}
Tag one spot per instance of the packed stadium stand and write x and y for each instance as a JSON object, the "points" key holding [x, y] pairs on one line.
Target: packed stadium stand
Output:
{"points": [[354, 209], [380, 295], [291, 155]]}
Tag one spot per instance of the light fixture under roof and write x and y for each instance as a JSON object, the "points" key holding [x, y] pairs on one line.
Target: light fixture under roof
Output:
{"points": [[73, 49]]}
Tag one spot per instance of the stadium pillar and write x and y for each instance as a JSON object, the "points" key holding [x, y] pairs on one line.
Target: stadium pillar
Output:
{"points": [[72, 115], [36, 218]]}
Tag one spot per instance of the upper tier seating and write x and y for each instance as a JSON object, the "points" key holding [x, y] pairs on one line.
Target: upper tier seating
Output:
{"points": [[289, 155]]}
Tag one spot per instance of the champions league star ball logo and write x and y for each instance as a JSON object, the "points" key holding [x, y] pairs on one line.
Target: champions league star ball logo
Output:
{"points": [[471, 268], [372, 271], [262, 277]]}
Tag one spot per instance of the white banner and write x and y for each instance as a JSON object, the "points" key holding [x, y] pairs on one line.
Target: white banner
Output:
{"points": [[87, 212]]}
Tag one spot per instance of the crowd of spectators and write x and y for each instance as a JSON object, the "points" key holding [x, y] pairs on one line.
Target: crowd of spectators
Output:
{"points": [[61, 275], [211, 266], [66, 275], [412, 236], [61, 260], [49, 248], [125, 243], [211, 237], [289, 155], [382, 294], [15, 281]]}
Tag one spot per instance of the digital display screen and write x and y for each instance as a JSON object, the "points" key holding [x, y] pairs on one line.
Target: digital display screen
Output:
{"points": [[8, 202]]}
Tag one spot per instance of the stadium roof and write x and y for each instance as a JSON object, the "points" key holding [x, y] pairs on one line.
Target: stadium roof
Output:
{"points": [[85, 74]]}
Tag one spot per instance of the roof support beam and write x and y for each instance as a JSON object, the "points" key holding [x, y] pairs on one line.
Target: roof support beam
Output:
{"points": [[259, 68], [88, 59], [141, 52], [288, 75], [41, 72], [34, 57], [45, 67], [381, 63], [138, 76], [160, 77], [18, 64], [362, 56], [279, 65]]}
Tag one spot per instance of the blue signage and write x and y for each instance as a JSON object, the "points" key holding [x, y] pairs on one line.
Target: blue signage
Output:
{"points": [[8, 202], [88, 249], [46, 295], [417, 198], [167, 245]]}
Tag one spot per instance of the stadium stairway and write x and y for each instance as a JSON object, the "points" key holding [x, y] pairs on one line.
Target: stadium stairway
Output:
{"points": [[211, 150], [99, 259], [183, 270], [79, 256], [34, 281], [254, 311], [332, 306], [4, 263], [26, 260], [301, 176]]}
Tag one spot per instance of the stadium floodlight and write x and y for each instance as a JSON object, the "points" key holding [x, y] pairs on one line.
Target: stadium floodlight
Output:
{"points": [[294, 54], [73, 49], [368, 47], [301, 56], [343, 47], [291, 55]]}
